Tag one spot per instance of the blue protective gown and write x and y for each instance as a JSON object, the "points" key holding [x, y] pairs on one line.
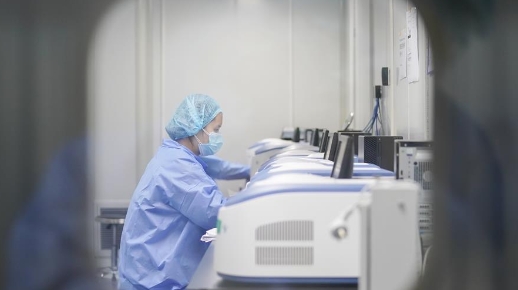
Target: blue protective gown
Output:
{"points": [[218, 168], [174, 204]]}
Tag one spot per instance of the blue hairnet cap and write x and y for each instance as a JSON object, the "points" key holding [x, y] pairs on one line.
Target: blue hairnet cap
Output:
{"points": [[194, 113]]}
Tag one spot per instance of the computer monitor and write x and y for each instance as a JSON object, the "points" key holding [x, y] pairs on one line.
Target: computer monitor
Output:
{"points": [[316, 135], [324, 141], [289, 133], [328, 148], [344, 163], [343, 139], [331, 147]]}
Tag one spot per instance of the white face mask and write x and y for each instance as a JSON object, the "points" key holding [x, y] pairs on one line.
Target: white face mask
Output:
{"points": [[214, 145]]}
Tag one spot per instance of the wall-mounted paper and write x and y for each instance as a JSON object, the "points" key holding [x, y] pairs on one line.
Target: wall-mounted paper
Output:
{"points": [[412, 46], [402, 53]]}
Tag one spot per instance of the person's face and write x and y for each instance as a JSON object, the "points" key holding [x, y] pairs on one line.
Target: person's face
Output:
{"points": [[213, 126]]}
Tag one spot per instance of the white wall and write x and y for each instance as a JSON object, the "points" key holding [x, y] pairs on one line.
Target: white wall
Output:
{"points": [[258, 59], [361, 45], [112, 103], [410, 99], [112, 110], [316, 68], [382, 49], [269, 63], [408, 106], [234, 52]]}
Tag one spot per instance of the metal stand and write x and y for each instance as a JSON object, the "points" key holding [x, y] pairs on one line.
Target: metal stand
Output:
{"points": [[112, 223]]}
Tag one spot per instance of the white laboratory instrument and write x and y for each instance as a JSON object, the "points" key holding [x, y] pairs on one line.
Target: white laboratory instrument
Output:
{"points": [[278, 231], [323, 168], [303, 161], [261, 151], [297, 153], [390, 243], [344, 165], [267, 150], [414, 162], [299, 147]]}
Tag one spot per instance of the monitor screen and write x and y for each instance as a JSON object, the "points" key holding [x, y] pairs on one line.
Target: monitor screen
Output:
{"points": [[331, 147], [338, 164], [343, 139], [324, 141], [329, 141], [343, 167], [316, 136]]}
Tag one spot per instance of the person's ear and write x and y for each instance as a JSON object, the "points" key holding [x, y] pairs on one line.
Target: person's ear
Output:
{"points": [[201, 136]]}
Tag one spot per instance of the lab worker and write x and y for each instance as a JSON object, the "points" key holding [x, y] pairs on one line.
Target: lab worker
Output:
{"points": [[175, 202]]}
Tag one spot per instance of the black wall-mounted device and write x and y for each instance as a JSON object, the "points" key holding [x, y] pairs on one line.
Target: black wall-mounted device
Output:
{"points": [[385, 76], [379, 92]]}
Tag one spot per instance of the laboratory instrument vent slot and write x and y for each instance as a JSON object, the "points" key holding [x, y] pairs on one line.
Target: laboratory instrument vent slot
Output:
{"points": [[284, 256], [106, 235], [423, 174], [285, 231], [371, 151], [426, 228]]}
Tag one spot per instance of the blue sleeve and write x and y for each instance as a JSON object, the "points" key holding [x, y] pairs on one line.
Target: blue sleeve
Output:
{"points": [[218, 168], [191, 191]]}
